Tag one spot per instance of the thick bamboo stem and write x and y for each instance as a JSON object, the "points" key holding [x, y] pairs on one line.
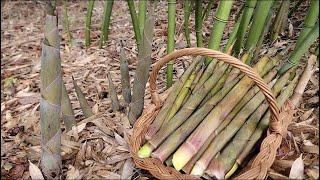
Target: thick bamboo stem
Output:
{"points": [[170, 39], [187, 12], [198, 22], [142, 14], [105, 22], [87, 31], [135, 22]]}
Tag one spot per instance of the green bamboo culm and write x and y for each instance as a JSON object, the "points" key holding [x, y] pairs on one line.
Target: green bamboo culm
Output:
{"points": [[258, 22], [66, 21], [198, 23], [233, 35], [245, 20], [50, 102], [105, 22], [186, 15], [207, 10], [298, 51], [310, 21], [280, 20], [86, 109], [67, 110], [142, 14], [221, 19], [142, 71], [265, 31], [88, 23], [134, 19], [170, 39]]}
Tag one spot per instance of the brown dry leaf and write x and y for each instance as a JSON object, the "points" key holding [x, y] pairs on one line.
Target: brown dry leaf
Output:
{"points": [[117, 158], [108, 174], [35, 172], [313, 173], [306, 115], [127, 169], [73, 173], [119, 139], [297, 169]]}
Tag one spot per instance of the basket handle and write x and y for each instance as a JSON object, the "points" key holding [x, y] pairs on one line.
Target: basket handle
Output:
{"points": [[247, 70]]}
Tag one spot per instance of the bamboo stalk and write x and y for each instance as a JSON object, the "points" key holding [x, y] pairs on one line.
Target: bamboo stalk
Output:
{"points": [[50, 102], [66, 108], [187, 11], [298, 51], [135, 22], [142, 71], [170, 39], [207, 10], [82, 100], [198, 137], [267, 25], [227, 133], [157, 123], [105, 22], [257, 132], [221, 19], [280, 20], [182, 95], [309, 22], [66, 21], [198, 22], [179, 135], [258, 22], [245, 20], [125, 77], [233, 35], [142, 14], [113, 94], [88, 23]]}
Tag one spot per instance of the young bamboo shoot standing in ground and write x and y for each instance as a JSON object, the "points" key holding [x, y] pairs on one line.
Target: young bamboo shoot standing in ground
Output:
{"points": [[88, 23], [142, 71], [50, 102]]}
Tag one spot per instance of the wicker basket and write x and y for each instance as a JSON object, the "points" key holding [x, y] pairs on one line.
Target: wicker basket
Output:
{"points": [[269, 146]]}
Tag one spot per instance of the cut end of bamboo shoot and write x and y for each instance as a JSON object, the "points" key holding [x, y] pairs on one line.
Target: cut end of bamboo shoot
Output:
{"points": [[215, 169], [198, 169], [145, 151], [181, 157]]}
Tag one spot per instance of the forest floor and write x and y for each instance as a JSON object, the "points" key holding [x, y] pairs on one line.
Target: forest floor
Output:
{"points": [[99, 149]]}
